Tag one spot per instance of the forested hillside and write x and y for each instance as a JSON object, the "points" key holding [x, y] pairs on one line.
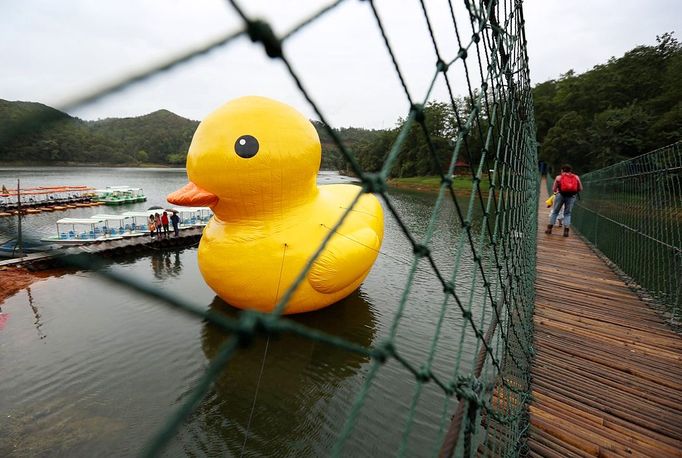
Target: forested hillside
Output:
{"points": [[160, 137], [623, 108], [417, 155], [620, 109]]}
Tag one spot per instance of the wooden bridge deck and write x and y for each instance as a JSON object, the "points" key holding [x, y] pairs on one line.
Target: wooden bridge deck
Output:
{"points": [[607, 375]]}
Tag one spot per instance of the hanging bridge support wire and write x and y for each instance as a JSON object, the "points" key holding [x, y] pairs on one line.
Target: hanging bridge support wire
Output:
{"points": [[632, 211]]}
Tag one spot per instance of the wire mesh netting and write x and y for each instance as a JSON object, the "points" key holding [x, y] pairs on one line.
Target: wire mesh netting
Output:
{"points": [[484, 392], [631, 211]]}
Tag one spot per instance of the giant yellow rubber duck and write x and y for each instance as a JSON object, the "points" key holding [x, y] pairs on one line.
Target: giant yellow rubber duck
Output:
{"points": [[254, 161]]}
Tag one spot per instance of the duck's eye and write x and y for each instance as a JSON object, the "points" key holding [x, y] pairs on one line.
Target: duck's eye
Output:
{"points": [[246, 146]]}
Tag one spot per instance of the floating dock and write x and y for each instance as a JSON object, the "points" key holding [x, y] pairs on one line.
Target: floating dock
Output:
{"points": [[44, 199], [49, 259]]}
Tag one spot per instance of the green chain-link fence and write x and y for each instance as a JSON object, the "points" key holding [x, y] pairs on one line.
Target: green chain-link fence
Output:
{"points": [[484, 407], [632, 212]]}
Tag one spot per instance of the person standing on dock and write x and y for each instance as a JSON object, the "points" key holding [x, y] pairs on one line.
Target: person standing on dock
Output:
{"points": [[567, 185], [175, 220], [164, 222], [157, 223], [151, 225]]}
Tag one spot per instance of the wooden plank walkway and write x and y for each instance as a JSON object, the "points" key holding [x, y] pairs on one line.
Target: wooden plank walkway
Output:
{"points": [[607, 375]]}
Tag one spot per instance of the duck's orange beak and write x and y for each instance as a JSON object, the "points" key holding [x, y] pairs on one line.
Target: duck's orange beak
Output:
{"points": [[192, 195]]}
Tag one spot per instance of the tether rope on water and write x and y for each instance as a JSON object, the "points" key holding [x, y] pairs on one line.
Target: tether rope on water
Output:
{"points": [[255, 396], [265, 354]]}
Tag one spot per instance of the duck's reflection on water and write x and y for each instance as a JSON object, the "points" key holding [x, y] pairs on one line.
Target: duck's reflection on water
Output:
{"points": [[304, 388]]}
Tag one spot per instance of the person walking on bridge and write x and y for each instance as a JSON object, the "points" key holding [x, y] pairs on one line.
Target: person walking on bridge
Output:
{"points": [[567, 185]]}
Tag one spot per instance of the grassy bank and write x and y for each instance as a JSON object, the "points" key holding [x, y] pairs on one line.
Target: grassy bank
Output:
{"points": [[460, 184]]}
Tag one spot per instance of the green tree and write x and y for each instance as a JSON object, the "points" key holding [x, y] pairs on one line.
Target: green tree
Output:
{"points": [[141, 156], [177, 159], [568, 142], [623, 108], [618, 133], [422, 155]]}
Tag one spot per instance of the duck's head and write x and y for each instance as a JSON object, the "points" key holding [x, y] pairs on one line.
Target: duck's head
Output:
{"points": [[251, 157]]}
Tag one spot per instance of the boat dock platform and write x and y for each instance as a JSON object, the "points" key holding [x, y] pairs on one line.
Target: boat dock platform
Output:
{"points": [[45, 199], [49, 259], [32, 210]]}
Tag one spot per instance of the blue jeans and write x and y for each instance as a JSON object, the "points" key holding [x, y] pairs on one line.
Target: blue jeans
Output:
{"points": [[567, 202]]}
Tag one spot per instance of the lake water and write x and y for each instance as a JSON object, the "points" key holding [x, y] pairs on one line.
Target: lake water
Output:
{"points": [[92, 369]]}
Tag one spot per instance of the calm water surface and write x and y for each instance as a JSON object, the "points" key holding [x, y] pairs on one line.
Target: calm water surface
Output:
{"points": [[92, 369]]}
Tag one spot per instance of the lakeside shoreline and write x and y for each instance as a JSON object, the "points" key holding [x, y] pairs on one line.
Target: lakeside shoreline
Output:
{"points": [[420, 183], [9, 164], [89, 164]]}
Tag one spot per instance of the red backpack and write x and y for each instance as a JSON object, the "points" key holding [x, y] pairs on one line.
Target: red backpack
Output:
{"points": [[568, 183]]}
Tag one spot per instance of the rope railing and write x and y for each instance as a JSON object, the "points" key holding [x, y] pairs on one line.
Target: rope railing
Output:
{"points": [[483, 398], [632, 212]]}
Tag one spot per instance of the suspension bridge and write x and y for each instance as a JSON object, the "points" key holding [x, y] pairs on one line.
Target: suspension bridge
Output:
{"points": [[606, 377]]}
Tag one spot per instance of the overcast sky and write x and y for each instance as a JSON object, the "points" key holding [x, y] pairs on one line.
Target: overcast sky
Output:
{"points": [[53, 51]]}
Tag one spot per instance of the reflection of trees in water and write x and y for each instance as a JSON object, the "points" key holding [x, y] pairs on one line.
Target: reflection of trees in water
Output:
{"points": [[166, 263], [300, 378]]}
